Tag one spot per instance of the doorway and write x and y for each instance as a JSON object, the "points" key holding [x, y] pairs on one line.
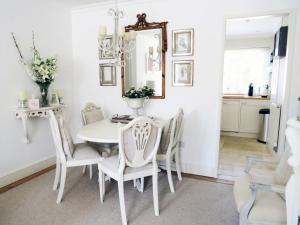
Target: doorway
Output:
{"points": [[254, 79]]}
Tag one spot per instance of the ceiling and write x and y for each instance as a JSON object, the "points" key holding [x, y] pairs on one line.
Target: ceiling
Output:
{"points": [[86, 2], [263, 26]]}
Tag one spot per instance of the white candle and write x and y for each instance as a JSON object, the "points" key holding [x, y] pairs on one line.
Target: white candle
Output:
{"points": [[132, 34], [22, 95], [102, 31], [121, 31]]}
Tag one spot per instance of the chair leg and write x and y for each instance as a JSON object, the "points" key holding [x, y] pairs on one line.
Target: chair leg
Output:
{"points": [[91, 171], [142, 184], [83, 169], [155, 191], [62, 183], [177, 161], [57, 175], [139, 184], [101, 185], [169, 172], [122, 201], [134, 183]]}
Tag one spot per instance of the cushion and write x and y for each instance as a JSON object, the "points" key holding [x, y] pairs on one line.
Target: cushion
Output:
{"points": [[68, 145], [83, 151], [283, 169], [268, 208], [110, 166], [93, 116]]}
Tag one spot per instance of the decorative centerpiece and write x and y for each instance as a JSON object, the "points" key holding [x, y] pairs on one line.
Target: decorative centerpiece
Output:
{"points": [[137, 98], [41, 70]]}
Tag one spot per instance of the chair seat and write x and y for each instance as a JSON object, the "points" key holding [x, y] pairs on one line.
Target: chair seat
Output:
{"points": [[110, 167], [85, 153], [268, 208]]}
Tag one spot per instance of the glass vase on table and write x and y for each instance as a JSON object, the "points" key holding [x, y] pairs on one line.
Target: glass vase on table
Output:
{"points": [[44, 86]]}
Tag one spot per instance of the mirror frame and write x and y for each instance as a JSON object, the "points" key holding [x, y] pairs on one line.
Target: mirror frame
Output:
{"points": [[142, 24]]}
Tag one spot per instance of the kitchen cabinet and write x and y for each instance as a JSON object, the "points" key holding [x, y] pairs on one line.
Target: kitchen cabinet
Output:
{"points": [[242, 115], [250, 119], [230, 113]]}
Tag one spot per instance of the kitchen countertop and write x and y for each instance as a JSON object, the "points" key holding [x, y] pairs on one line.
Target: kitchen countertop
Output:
{"points": [[245, 97]]}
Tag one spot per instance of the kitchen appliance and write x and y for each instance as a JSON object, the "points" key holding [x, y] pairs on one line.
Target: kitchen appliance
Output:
{"points": [[264, 91], [276, 142], [263, 130], [280, 42], [273, 127], [250, 90]]}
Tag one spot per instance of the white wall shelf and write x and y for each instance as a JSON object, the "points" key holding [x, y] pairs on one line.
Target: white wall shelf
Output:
{"points": [[25, 114]]}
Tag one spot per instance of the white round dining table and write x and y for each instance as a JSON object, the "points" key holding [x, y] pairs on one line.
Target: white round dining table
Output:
{"points": [[103, 131]]}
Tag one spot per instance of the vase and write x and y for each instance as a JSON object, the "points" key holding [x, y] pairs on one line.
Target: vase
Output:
{"points": [[44, 93], [136, 103]]}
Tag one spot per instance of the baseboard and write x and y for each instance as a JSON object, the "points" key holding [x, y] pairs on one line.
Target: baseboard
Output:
{"points": [[239, 134], [195, 169], [25, 172]]}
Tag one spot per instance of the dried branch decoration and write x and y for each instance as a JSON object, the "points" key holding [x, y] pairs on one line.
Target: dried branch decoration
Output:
{"points": [[17, 46]]}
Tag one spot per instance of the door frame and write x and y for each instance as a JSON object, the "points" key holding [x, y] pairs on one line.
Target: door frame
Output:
{"points": [[292, 19]]}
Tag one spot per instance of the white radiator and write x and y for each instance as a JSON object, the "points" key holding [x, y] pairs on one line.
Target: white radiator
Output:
{"points": [[274, 124]]}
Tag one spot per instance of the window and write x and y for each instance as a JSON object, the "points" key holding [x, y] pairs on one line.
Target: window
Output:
{"points": [[245, 66]]}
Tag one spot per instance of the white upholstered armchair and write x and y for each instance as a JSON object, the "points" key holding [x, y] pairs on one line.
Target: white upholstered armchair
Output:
{"points": [[261, 200]]}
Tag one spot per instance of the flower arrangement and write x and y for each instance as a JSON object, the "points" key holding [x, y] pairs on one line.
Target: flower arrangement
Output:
{"points": [[40, 70], [139, 93], [43, 68]]}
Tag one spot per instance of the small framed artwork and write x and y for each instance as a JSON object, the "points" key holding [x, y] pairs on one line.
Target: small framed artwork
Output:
{"points": [[107, 74], [54, 100], [183, 73], [183, 42], [107, 44]]}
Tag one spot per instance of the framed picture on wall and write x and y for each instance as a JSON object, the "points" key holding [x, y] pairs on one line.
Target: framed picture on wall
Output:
{"points": [[183, 73], [107, 42], [107, 73], [183, 42]]}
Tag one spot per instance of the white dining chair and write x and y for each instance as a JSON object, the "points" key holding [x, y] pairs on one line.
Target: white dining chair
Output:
{"points": [[138, 144], [68, 154], [170, 147], [91, 114]]}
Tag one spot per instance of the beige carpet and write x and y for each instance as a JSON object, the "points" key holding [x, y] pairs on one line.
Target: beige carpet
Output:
{"points": [[194, 203]]}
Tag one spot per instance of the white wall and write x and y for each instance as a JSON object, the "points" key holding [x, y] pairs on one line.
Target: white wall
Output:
{"points": [[201, 102], [52, 25], [267, 42]]}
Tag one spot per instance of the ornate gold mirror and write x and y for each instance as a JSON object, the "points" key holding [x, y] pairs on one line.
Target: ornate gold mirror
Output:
{"points": [[145, 65]]}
